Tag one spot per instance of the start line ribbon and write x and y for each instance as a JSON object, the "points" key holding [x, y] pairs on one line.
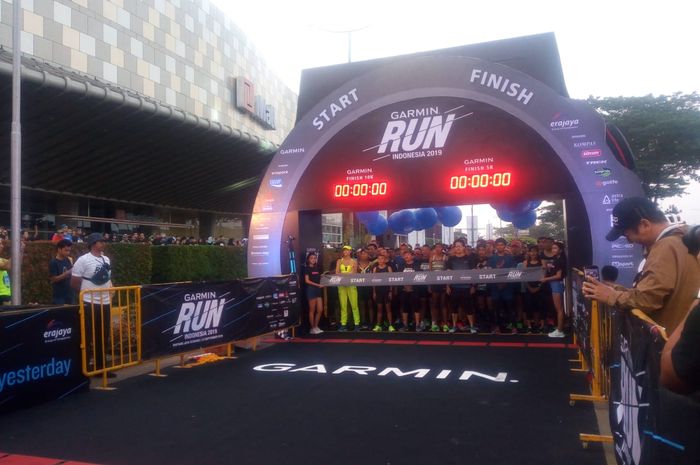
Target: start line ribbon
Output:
{"points": [[452, 277]]}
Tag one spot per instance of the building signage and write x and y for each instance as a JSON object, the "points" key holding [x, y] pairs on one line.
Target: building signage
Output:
{"points": [[254, 105]]}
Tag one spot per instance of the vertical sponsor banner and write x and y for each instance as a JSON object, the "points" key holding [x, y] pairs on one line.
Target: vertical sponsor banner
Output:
{"points": [[39, 356], [650, 425], [178, 318], [581, 320]]}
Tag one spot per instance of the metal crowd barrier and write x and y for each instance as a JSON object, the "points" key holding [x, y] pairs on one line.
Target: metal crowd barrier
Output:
{"points": [[601, 338], [110, 336]]}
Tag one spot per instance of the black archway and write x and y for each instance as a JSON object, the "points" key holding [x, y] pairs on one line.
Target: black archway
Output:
{"points": [[404, 131]]}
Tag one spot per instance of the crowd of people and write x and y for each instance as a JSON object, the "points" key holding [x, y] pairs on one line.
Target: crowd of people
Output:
{"points": [[536, 307]]}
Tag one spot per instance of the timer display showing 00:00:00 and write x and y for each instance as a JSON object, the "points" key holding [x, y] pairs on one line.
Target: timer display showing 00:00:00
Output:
{"points": [[476, 181], [360, 190]]}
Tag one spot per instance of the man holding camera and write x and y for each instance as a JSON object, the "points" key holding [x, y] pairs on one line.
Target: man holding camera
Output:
{"points": [[668, 281], [92, 272]]}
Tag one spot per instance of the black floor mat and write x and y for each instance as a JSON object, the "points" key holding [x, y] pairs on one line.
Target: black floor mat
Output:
{"points": [[511, 407]]}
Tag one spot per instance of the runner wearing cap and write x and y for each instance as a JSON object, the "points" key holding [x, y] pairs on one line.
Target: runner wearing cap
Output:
{"points": [[347, 264]]}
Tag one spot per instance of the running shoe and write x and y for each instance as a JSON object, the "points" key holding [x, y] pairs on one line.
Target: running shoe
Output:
{"points": [[472, 330], [313, 331], [445, 329], [556, 333], [453, 329], [514, 330], [391, 328], [358, 328], [319, 330], [435, 328], [419, 328], [403, 329], [460, 326], [342, 328], [377, 329]]}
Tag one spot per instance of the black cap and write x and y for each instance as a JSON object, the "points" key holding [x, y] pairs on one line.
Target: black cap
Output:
{"points": [[94, 237], [629, 212]]}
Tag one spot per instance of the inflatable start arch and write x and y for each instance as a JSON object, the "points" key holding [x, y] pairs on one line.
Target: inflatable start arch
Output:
{"points": [[436, 131]]}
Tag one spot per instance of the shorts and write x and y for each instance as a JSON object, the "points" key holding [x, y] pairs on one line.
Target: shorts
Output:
{"points": [[557, 287], [461, 296], [313, 292]]}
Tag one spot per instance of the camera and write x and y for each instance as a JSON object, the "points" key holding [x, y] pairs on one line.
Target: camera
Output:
{"points": [[691, 239]]}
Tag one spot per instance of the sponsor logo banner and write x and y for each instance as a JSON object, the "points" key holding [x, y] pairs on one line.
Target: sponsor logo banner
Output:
{"points": [[39, 356], [453, 277], [180, 317]]}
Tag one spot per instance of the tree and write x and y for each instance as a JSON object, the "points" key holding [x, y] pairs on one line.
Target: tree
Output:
{"points": [[664, 134], [551, 221]]}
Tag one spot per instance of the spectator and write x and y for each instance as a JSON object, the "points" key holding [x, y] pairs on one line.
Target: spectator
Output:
{"points": [[668, 280], [60, 270], [608, 274], [314, 292], [5, 287], [680, 359], [93, 271]]}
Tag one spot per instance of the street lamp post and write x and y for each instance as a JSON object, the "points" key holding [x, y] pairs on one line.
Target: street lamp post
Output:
{"points": [[16, 158]]}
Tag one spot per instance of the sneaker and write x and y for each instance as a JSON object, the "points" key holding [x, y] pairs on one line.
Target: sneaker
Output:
{"points": [[403, 329], [365, 327], [460, 326], [453, 329], [435, 328], [514, 330], [445, 329], [556, 333], [358, 328], [318, 330], [472, 330], [313, 331], [391, 328], [342, 328], [419, 329], [496, 330], [377, 329]]}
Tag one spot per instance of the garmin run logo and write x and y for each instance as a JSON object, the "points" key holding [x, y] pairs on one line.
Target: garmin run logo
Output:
{"points": [[417, 132], [201, 312]]}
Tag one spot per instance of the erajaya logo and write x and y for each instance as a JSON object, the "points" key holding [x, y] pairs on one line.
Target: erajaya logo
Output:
{"points": [[360, 370], [57, 331]]}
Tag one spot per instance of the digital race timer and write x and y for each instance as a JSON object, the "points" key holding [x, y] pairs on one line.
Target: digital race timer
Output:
{"points": [[359, 190], [477, 181]]}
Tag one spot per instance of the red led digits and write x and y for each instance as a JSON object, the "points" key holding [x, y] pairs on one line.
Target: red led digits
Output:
{"points": [[479, 181], [368, 189]]}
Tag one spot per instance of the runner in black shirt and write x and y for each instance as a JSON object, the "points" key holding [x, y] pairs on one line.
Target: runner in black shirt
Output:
{"points": [[461, 294]]}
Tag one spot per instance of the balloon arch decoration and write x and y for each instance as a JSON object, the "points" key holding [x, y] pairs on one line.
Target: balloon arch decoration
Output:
{"points": [[435, 132]]}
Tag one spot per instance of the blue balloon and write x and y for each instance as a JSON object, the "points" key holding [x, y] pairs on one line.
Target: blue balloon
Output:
{"points": [[367, 217], [505, 215], [378, 226], [425, 218], [525, 220], [449, 216], [515, 206], [402, 221], [534, 204]]}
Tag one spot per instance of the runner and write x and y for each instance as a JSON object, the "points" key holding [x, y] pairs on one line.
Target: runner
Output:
{"points": [[347, 264], [461, 294], [382, 295], [438, 292]]}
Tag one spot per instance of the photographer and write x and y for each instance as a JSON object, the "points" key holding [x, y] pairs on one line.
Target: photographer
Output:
{"points": [[93, 271], [668, 280]]}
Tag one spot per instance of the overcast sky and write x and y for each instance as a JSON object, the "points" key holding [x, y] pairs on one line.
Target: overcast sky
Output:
{"points": [[607, 48]]}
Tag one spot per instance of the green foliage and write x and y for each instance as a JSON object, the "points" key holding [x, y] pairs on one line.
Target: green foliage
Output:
{"points": [[136, 264], [197, 263], [131, 263], [551, 221], [664, 133]]}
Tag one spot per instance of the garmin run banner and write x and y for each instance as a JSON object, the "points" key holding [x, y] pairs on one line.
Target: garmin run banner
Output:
{"points": [[650, 425], [39, 356], [177, 318], [450, 277]]}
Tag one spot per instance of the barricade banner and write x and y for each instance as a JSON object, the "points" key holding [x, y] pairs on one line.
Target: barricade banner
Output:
{"points": [[488, 276], [650, 425], [581, 318], [177, 318], [39, 356]]}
